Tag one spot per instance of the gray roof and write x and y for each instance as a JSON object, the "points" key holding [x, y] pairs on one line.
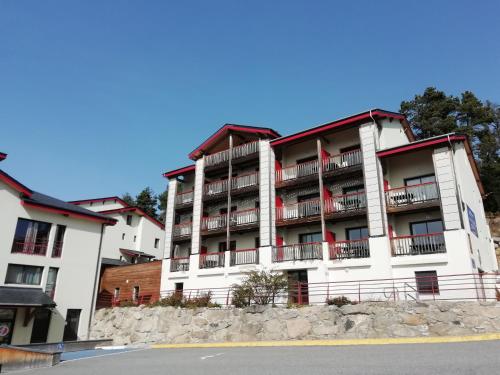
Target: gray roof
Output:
{"points": [[32, 297], [113, 262]]}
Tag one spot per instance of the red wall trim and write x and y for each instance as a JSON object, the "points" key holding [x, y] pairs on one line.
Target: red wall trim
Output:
{"points": [[419, 145], [133, 209], [66, 212], [15, 184], [335, 124], [93, 200], [241, 128], [180, 171]]}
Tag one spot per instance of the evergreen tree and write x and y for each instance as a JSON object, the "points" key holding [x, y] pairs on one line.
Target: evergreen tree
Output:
{"points": [[128, 199], [162, 205], [147, 201]]}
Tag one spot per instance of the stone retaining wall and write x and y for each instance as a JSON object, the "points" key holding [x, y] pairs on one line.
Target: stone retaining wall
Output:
{"points": [[133, 325]]}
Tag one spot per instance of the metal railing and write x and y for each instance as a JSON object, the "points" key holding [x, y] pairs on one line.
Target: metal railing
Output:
{"points": [[212, 260], [244, 256], [210, 223], [179, 264], [182, 230], [30, 248], [343, 160], [244, 217], [413, 194], [217, 158], [419, 244], [57, 249], [185, 197], [215, 188], [300, 251], [245, 149], [298, 210], [297, 171], [345, 202], [349, 249], [245, 181]]}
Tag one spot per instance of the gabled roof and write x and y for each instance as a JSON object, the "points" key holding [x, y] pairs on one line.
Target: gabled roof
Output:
{"points": [[129, 252], [94, 200], [3, 156], [353, 120], [224, 130], [180, 171], [137, 210], [33, 199]]}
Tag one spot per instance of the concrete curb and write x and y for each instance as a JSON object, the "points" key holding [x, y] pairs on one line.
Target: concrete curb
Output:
{"points": [[348, 342]]}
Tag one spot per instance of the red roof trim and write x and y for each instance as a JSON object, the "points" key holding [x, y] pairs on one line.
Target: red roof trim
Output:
{"points": [[241, 128], [134, 209], [419, 145], [16, 185], [3, 156], [53, 210], [346, 121], [84, 201], [179, 171]]}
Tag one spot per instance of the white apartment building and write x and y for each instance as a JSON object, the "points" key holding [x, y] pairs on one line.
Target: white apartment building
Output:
{"points": [[135, 238], [49, 252], [355, 199]]}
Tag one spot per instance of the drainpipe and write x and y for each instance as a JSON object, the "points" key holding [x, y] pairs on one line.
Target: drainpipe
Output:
{"points": [[96, 281]]}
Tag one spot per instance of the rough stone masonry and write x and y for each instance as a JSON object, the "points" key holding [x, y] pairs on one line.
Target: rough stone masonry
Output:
{"points": [[134, 325]]}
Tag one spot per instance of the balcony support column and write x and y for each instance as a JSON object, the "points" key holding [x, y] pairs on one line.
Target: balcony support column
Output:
{"points": [[229, 186], [266, 187], [321, 193], [170, 217], [197, 210]]}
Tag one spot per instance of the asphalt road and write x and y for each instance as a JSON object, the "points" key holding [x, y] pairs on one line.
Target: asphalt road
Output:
{"points": [[457, 359]]}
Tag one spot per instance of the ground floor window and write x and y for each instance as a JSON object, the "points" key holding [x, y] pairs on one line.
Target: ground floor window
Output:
{"points": [[427, 282], [7, 321], [22, 274], [72, 323]]}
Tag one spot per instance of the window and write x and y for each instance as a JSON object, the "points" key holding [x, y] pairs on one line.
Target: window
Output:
{"points": [[7, 320], [157, 243], [21, 274], [350, 148], [310, 237], [58, 241], [31, 237], [50, 285], [223, 246], [353, 189], [427, 282], [72, 324], [360, 233], [135, 294], [129, 219], [123, 236], [135, 238], [116, 295], [307, 197], [426, 227], [305, 160], [420, 180], [179, 287]]}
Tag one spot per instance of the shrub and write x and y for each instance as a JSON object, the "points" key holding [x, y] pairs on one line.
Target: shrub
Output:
{"points": [[179, 300], [339, 301], [260, 288]]}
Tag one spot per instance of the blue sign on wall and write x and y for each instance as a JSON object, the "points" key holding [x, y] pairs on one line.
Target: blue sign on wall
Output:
{"points": [[472, 221]]}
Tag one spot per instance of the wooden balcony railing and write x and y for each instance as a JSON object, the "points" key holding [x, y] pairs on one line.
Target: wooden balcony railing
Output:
{"points": [[212, 260], [217, 158], [297, 171], [245, 181], [185, 197], [182, 230], [179, 264], [213, 223], [420, 244], [343, 160], [345, 202], [30, 248], [244, 256], [413, 194], [215, 188], [298, 211], [300, 251], [349, 249], [57, 249]]}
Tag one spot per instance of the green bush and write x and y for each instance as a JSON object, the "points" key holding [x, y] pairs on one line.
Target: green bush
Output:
{"points": [[259, 288], [339, 301], [179, 300]]}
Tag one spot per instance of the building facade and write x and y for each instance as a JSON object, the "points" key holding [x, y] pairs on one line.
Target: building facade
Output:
{"points": [[135, 238], [49, 253], [355, 199]]}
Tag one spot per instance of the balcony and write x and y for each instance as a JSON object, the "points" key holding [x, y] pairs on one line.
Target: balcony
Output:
{"points": [[215, 189], [30, 248], [351, 249], [299, 173], [184, 199], [420, 244], [241, 152], [298, 213], [245, 183], [244, 256], [212, 260], [238, 220], [179, 264], [412, 197], [182, 231], [345, 162], [345, 205], [301, 251]]}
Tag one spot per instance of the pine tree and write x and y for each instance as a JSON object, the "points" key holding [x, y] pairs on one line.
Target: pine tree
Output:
{"points": [[147, 201]]}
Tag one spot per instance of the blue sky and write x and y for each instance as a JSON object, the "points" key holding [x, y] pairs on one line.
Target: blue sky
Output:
{"points": [[98, 98]]}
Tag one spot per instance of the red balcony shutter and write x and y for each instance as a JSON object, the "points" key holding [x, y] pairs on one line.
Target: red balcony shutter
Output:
{"points": [[324, 154], [386, 185], [326, 193], [391, 231], [277, 165], [279, 202], [203, 250], [330, 237], [279, 240]]}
